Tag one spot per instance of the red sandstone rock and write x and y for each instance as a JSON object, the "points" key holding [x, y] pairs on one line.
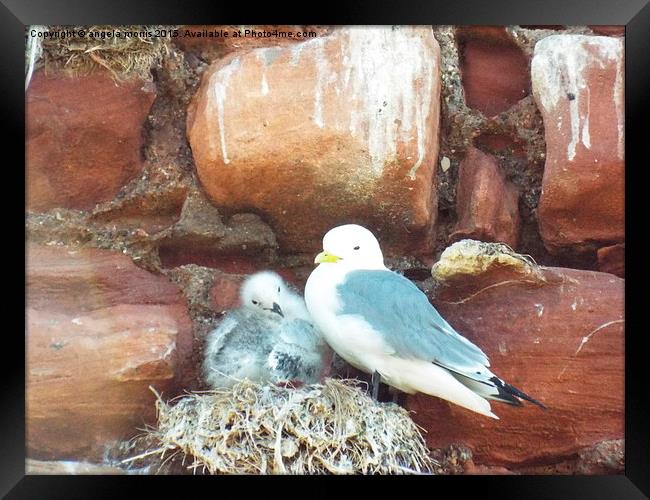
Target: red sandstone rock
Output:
{"points": [[606, 457], [212, 42], [608, 30], [555, 27], [501, 144], [483, 470], [201, 236], [487, 205], [59, 467], [612, 260], [224, 293], [494, 69], [152, 211], [83, 138], [556, 334], [578, 85], [339, 129], [99, 331]]}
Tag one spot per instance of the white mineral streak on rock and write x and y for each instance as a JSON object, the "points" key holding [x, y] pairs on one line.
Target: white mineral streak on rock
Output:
{"points": [[382, 66], [219, 86], [265, 84], [586, 138], [385, 76], [346, 73], [619, 100], [323, 74], [296, 51], [262, 56], [377, 73], [612, 49], [558, 72], [170, 349]]}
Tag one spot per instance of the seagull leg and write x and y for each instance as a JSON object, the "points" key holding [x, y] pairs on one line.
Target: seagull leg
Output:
{"points": [[376, 379]]}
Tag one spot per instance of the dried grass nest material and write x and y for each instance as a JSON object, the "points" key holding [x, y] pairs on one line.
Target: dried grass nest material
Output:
{"points": [[132, 54], [314, 429], [474, 257]]}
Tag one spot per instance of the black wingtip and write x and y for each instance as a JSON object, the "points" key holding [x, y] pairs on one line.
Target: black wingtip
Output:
{"points": [[504, 397], [510, 392]]}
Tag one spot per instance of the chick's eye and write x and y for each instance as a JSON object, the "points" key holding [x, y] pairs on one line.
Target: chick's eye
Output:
{"points": [[255, 302], [357, 247]]}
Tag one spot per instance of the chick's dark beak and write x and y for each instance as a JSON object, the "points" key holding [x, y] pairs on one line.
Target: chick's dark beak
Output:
{"points": [[276, 309]]}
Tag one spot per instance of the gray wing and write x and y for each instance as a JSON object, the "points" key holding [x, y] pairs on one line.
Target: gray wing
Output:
{"points": [[217, 338], [238, 349], [301, 332], [409, 324], [293, 362], [298, 353]]}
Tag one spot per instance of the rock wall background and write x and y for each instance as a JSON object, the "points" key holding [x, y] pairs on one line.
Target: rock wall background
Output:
{"points": [[150, 196]]}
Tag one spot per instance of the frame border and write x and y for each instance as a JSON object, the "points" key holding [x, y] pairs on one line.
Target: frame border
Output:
{"points": [[634, 14]]}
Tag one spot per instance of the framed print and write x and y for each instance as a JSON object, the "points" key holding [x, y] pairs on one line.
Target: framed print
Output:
{"points": [[385, 242]]}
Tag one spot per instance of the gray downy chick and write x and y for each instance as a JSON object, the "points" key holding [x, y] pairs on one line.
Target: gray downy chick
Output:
{"points": [[269, 339]]}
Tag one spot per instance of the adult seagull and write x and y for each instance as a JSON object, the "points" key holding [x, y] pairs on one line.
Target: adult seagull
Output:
{"points": [[382, 324]]}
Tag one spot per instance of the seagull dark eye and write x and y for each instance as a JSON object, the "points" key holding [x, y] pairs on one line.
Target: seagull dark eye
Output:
{"points": [[255, 302], [278, 289], [357, 247]]}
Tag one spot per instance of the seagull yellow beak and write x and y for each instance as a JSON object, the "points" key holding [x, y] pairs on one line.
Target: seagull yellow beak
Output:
{"points": [[326, 257]]}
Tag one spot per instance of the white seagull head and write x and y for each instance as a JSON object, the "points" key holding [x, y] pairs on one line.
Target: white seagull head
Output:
{"points": [[263, 291], [352, 246]]}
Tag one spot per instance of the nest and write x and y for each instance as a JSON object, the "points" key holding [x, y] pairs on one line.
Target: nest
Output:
{"points": [[130, 55], [315, 429]]}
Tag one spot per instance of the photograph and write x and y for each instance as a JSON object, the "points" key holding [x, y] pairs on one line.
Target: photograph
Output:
{"points": [[325, 249]]}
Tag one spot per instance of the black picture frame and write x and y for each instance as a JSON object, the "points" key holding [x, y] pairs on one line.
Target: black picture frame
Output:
{"points": [[634, 14]]}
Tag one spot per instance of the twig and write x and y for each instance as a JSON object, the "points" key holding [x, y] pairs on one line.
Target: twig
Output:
{"points": [[604, 325], [101, 62], [145, 454], [585, 339], [487, 288]]}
